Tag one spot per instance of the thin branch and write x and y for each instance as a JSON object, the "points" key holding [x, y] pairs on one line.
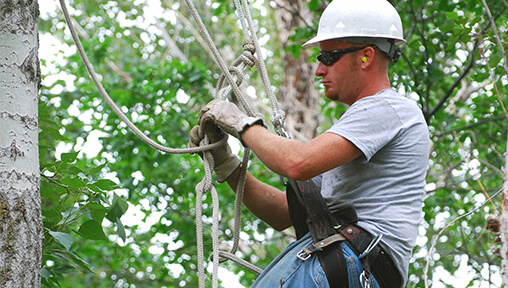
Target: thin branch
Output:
{"points": [[295, 13], [426, 278], [481, 122], [498, 39], [468, 160], [118, 70], [443, 100], [494, 168], [165, 35]]}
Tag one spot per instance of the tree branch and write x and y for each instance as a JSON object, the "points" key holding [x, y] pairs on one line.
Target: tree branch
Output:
{"points": [[481, 122], [426, 278], [443, 100]]}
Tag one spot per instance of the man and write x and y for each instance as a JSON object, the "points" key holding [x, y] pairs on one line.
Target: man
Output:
{"points": [[374, 158]]}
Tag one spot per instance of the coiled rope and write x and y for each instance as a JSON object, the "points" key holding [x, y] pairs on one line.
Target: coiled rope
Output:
{"points": [[226, 84]]}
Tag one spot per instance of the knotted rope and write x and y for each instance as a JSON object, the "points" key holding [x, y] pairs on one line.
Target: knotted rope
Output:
{"points": [[227, 83]]}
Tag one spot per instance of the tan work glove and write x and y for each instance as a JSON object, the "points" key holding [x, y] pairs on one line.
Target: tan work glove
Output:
{"points": [[225, 162], [228, 117]]}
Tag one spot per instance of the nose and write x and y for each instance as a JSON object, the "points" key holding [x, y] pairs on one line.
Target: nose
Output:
{"points": [[321, 70]]}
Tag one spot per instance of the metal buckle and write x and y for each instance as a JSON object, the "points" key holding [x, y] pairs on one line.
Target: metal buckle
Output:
{"points": [[279, 129], [304, 254], [364, 280], [371, 246]]}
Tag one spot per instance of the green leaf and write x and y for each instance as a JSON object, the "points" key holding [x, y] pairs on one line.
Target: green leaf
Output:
{"points": [[48, 192], [45, 273], [97, 211], [73, 183], [106, 184], [120, 230], [314, 5], [82, 263], [452, 15], [53, 133], [51, 216], [69, 157], [118, 208], [92, 230], [97, 169], [62, 238]]}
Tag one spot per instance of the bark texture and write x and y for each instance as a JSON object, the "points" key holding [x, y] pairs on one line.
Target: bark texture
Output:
{"points": [[504, 225], [21, 232], [299, 97]]}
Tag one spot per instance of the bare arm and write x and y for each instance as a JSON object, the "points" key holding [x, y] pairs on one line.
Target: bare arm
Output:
{"points": [[266, 202], [293, 159], [297, 160]]}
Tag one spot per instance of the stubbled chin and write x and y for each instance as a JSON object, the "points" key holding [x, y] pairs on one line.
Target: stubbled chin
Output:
{"points": [[330, 94]]}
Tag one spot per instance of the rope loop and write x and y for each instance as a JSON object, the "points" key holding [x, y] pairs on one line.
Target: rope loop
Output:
{"points": [[226, 84], [249, 50]]}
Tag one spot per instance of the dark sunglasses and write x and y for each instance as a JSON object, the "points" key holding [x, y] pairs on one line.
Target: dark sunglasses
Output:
{"points": [[328, 58]]}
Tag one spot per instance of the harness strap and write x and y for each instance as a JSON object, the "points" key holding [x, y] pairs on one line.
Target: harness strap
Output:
{"points": [[377, 261], [321, 224], [309, 213]]}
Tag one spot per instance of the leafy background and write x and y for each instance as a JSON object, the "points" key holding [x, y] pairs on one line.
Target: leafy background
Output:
{"points": [[118, 213]]}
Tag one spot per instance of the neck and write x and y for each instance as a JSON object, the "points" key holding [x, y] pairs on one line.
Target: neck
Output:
{"points": [[371, 84]]}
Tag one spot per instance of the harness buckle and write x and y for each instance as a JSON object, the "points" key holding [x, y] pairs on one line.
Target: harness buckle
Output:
{"points": [[304, 254], [371, 246], [364, 279]]}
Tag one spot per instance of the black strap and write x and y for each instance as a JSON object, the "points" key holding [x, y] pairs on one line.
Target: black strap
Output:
{"points": [[305, 196], [379, 261], [320, 222], [297, 212]]}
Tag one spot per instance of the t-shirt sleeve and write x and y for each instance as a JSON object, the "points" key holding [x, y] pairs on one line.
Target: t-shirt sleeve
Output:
{"points": [[370, 124]]}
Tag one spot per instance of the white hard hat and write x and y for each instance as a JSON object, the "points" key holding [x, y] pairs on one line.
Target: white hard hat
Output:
{"points": [[361, 21]]}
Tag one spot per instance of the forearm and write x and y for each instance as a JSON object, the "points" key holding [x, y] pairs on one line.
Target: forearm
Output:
{"points": [[266, 202], [297, 160], [283, 156]]}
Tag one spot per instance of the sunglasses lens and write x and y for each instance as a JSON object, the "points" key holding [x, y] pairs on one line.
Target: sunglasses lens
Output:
{"points": [[327, 58]]}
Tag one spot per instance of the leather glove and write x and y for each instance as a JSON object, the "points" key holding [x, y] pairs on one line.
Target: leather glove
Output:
{"points": [[228, 117], [225, 162]]}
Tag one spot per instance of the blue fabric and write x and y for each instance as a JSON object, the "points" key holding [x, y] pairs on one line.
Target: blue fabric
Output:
{"points": [[290, 272]]}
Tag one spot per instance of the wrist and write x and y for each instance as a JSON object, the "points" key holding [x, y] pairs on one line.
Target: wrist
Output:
{"points": [[248, 122], [227, 168]]}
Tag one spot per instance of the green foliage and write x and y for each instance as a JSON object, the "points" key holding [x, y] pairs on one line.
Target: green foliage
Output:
{"points": [[74, 204], [138, 227]]}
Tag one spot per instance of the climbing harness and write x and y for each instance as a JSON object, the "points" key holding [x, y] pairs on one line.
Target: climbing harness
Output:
{"points": [[229, 81], [309, 212]]}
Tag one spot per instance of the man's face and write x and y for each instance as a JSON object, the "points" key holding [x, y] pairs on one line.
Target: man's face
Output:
{"points": [[338, 78]]}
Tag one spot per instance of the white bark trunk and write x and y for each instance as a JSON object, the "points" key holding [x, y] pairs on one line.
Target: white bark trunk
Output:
{"points": [[21, 233]]}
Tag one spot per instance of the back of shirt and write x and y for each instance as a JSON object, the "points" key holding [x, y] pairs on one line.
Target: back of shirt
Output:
{"points": [[386, 184]]}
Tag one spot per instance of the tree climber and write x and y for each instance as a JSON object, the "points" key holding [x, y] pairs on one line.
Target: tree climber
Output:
{"points": [[368, 169]]}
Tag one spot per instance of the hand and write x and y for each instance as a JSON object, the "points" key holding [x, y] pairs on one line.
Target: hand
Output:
{"points": [[225, 162], [228, 117]]}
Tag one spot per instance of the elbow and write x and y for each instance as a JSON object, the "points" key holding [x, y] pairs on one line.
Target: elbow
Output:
{"points": [[282, 227], [298, 170]]}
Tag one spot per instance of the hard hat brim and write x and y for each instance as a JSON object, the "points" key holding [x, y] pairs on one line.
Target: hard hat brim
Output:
{"points": [[314, 42]]}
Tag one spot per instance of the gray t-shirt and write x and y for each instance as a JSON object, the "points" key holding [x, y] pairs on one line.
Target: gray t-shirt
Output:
{"points": [[385, 184]]}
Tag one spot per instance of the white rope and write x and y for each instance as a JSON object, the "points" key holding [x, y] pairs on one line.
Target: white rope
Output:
{"points": [[277, 113], [251, 47], [116, 109]]}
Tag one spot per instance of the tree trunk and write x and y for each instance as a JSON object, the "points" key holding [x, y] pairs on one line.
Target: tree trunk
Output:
{"points": [[504, 225], [299, 97], [21, 233]]}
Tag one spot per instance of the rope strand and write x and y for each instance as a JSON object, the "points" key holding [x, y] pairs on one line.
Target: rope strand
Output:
{"points": [[226, 84]]}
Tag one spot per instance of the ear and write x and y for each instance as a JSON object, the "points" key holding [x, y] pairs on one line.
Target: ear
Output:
{"points": [[367, 57]]}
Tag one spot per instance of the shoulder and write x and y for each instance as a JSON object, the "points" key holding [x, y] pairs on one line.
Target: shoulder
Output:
{"points": [[388, 104]]}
